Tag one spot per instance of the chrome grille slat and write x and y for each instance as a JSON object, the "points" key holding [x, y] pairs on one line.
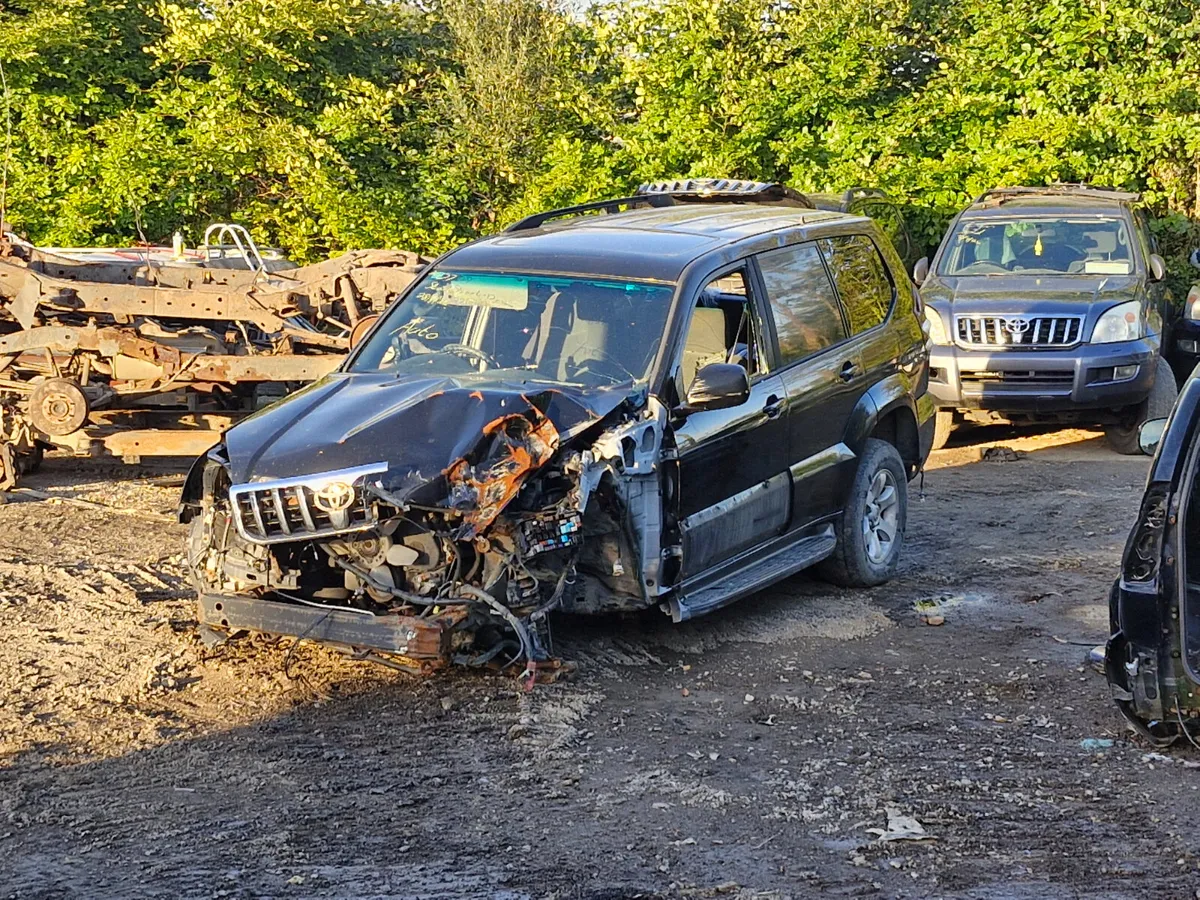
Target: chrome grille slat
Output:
{"points": [[305, 512], [277, 501], [997, 331], [288, 509]]}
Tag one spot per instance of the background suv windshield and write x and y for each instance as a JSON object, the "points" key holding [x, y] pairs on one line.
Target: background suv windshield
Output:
{"points": [[513, 327], [1038, 245]]}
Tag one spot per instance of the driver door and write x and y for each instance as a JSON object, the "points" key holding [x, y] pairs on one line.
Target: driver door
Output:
{"points": [[734, 484]]}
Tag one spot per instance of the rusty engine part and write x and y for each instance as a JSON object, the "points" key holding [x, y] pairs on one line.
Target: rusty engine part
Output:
{"points": [[155, 351]]}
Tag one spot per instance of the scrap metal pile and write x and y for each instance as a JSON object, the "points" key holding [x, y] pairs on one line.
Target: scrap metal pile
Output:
{"points": [[156, 351]]}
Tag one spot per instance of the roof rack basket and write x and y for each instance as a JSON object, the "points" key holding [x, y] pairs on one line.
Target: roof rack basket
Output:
{"points": [[674, 193]]}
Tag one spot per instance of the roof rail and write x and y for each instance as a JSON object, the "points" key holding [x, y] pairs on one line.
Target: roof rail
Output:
{"points": [[605, 206], [1059, 189], [727, 190], [858, 193]]}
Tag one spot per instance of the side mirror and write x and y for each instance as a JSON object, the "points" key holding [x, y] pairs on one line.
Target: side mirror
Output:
{"points": [[1158, 268], [717, 386], [1194, 259], [1150, 434], [921, 270], [361, 329]]}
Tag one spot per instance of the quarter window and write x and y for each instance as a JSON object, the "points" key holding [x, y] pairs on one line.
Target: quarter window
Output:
{"points": [[861, 279], [803, 303]]}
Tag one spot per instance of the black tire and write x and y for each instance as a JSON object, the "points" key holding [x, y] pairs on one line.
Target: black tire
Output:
{"points": [[943, 427], [852, 564], [1124, 437]]}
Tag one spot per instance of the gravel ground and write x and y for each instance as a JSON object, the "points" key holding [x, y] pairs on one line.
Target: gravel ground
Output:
{"points": [[772, 749]]}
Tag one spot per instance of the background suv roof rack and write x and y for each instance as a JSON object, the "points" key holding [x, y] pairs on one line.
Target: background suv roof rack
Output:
{"points": [[726, 190], [858, 193], [999, 195]]}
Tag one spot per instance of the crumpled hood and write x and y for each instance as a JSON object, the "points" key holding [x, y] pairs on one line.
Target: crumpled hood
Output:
{"points": [[419, 426], [1030, 294]]}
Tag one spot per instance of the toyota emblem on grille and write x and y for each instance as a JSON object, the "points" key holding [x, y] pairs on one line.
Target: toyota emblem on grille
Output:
{"points": [[335, 497], [1017, 326]]}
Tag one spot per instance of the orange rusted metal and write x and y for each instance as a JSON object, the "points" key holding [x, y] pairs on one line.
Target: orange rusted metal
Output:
{"points": [[516, 445]]}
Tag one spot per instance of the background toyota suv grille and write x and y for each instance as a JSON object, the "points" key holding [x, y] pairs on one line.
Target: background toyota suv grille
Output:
{"points": [[295, 509], [1019, 331]]}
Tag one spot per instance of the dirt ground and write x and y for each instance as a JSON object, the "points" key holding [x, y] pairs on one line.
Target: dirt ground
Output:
{"points": [[761, 751]]}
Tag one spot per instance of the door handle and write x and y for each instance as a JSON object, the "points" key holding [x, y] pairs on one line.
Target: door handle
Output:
{"points": [[850, 371], [774, 406]]}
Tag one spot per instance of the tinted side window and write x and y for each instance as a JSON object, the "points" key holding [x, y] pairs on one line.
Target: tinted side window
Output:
{"points": [[804, 306], [861, 279]]}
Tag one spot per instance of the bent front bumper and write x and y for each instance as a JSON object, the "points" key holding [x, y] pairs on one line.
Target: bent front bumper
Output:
{"points": [[421, 645], [1043, 381]]}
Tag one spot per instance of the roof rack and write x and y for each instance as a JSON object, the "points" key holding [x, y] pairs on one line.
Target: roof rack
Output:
{"points": [[605, 206], [1060, 189], [660, 194], [692, 190]]}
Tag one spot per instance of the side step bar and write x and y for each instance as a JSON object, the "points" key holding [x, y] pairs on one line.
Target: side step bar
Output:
{"points": [[785, 561]]}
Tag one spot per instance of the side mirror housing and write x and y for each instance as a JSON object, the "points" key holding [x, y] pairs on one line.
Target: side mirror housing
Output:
{"points": [[717, 386], [1158, 268], [921, 270], [1194, 259], [361, 329], [1150, 434]]}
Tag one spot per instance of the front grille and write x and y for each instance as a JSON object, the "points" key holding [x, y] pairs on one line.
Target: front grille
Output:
{"points": [[1023, 377], [1018, 331], [295, 509]]}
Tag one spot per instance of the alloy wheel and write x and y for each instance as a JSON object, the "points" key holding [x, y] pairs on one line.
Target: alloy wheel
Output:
{"points": [[881, 516]]}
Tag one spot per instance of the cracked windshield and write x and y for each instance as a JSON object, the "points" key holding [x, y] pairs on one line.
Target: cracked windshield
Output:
{"points": [[1041, 246], [508, 327]]}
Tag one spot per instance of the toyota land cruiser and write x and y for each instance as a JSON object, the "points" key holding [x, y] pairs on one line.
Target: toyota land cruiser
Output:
{"points": [[673, 399], [1048, 305]]}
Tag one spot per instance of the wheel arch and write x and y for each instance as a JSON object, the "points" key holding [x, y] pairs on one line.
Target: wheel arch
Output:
{"points": [[888, 412]]}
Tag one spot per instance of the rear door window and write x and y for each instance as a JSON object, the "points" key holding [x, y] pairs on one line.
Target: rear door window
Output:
{"points": [[803, 303], [862, 280]]}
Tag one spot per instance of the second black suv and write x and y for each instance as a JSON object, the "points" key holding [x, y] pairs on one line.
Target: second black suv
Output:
{"points": [[1048, 305], [875, 204], [674, 401]]}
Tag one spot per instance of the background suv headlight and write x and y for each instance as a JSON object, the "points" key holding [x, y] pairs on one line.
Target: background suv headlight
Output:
{"points": [[937, 328], [1121, 323], [1191, 306]]}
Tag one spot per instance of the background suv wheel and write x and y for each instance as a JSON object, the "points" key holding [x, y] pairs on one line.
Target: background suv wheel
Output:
{"points": [[943, 427], [871, 530], [1124, 437]]}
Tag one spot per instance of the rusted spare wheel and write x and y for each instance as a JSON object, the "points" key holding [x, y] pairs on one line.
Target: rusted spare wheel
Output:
{"points": [[58, 407]]}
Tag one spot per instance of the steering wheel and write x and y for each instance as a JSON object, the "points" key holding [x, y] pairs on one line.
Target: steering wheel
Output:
{"points": [[599, 363], [488, 361], [982, 266]]}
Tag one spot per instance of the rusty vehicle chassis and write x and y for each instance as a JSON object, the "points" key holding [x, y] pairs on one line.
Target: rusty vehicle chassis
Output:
{"points": [[139, 357]]}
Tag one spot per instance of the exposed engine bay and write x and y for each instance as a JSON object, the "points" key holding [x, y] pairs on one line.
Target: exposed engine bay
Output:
{"points": [[552, 502]]}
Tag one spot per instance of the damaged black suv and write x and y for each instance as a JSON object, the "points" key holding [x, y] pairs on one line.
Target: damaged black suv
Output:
{"points": [[670, 400]]}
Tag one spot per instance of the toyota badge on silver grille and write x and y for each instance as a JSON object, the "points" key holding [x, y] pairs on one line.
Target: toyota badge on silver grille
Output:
{"points": [[334, 497], [1016, 326]]}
